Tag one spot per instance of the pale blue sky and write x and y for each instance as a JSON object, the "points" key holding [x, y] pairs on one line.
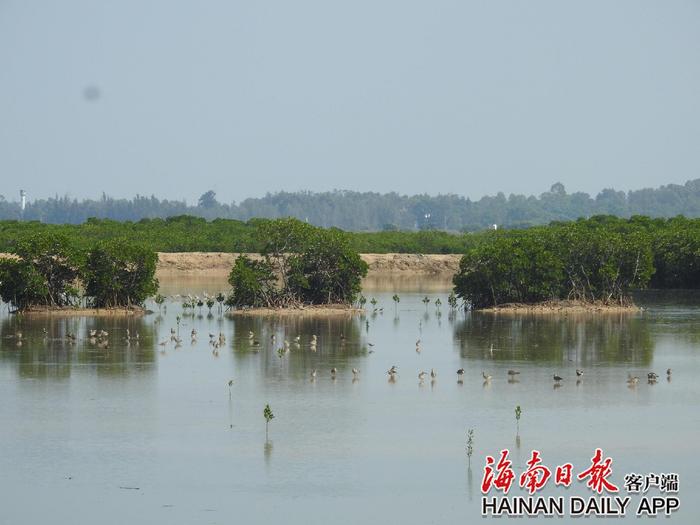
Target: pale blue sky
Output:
{"points": [[466, 97]]}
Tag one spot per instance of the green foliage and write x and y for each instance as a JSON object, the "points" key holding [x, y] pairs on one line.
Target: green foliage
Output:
{"points": [[452, 300], [21, 284], [470, 444], [44, 274], [601, 259], [314, 266], [253, 283], [159, 299], [675, 241], [676, 249], [327, 270], [119, 273], [49, 269], [269, 416], [267, 412]]}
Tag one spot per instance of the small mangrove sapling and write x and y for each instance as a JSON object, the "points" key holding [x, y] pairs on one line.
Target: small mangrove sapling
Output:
{"points": [[470, 445], [159, 300], [452, 300], [269, 416], [220, 298], [362, 301]]}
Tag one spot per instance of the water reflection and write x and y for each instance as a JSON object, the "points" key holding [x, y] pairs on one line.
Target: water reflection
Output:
{"points": [[581, 338], [52, 347], [339, 342]]}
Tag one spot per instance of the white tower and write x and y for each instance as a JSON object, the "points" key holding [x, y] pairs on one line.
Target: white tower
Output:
{"points": [[23, 199]]}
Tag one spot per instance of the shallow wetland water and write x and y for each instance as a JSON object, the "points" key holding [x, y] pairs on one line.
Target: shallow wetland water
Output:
{"points": [[144, 433]]}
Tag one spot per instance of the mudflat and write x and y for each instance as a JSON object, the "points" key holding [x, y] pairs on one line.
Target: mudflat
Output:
{"points": [[215, 263]]}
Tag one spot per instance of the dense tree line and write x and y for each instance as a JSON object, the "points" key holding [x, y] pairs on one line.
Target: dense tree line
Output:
{"points": [[674, 243], [366, 211], [188, 234], [596, 260], [49, 270]]}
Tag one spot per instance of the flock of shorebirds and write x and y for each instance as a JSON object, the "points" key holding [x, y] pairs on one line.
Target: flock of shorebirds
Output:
{"points": [[393, 371], [215, 341], [100, 338]]}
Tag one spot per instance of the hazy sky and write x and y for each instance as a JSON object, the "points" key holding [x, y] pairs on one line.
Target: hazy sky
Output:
{"points": [[467, 97]]}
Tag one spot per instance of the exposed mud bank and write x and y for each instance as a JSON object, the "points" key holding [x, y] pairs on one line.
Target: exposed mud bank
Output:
{"points": [[561, 307], [193, 263]]}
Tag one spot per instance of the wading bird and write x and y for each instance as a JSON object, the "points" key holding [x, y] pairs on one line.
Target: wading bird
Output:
{"points": [[557, 378], [460, 374], [486, 377], [513, 373], [579, 372]]}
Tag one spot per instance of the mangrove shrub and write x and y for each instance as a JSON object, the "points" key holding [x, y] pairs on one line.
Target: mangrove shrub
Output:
{"points": [[301, 264], [119, 273], [44, 272], [253, 283], [594, 260]]}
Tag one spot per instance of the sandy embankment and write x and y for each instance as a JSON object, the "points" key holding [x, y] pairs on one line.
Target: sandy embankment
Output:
{"points": [[384, 264], [220, 263]]}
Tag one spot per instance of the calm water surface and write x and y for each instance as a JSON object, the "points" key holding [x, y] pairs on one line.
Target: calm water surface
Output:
{"points": [[149, 433]]}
